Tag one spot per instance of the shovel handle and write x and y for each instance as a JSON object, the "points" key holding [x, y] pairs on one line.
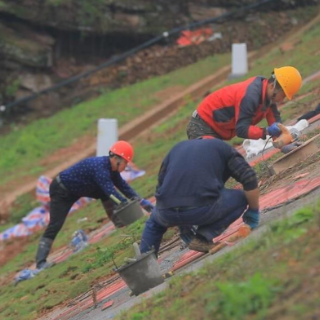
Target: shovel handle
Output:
{"points": [[243, 232], [217, 247]]}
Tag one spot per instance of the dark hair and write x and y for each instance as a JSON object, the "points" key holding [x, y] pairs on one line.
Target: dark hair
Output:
{"points": [[112, 155], [273, 79]]}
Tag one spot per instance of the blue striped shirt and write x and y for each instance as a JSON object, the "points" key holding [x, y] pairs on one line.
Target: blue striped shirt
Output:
{"points": [[94, 178]]}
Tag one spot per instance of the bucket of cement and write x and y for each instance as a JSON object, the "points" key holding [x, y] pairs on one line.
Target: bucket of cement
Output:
{"points": [[128, 212], [142, 274]]}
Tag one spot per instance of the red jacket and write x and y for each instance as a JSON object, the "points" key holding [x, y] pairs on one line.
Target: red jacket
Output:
{"points": [[235, 110]]}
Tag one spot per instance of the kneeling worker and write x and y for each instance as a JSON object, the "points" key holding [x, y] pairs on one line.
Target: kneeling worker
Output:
{"points": [[94, 177], [191, 192], [235, 110]]}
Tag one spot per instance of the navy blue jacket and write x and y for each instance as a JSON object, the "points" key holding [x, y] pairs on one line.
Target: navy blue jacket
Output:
{"points": [[195, 171], [94, 178]]}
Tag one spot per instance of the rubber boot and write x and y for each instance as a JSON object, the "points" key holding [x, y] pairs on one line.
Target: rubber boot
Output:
{"points": [[108, 207], [44, 248]]}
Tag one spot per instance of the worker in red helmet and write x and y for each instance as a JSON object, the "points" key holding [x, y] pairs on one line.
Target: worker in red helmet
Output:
{"points": [[96, 177]]}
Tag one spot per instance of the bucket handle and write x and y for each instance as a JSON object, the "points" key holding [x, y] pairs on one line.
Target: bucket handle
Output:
{"points": [[114, 263]]}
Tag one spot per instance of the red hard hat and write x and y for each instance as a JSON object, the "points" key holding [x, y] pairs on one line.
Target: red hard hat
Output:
{"points": [[123, 149]]}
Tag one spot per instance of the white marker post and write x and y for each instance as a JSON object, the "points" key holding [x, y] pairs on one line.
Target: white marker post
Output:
{"points": [[239, 60], [107, 135]]}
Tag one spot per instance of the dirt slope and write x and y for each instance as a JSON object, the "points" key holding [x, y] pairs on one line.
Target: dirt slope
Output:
{"points": [[85, 146]]}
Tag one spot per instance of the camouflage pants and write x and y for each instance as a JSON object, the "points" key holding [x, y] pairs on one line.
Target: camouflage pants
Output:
{"points": [[198, 128]]}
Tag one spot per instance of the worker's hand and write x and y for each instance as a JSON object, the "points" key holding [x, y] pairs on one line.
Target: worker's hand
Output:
{"points": [[274, 130], [291, 146], [146, 205], [252, 217]]}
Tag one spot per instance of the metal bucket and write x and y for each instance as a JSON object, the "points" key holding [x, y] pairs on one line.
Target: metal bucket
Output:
{"points": [[129, 212], [143, 274]]}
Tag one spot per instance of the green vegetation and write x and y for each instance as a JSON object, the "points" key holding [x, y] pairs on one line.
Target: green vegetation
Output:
{"points": [[231, 287], [80, 271], [57, 3], [210, 287], [21, 207], [251, 296], [25, 147], [92, 13], [12, 88]]}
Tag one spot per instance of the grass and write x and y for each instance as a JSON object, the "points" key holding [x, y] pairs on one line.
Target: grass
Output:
{"points": [[80, 271], [304, 56], [21, 207], [26, 147], [173, 130], [232, 288]]}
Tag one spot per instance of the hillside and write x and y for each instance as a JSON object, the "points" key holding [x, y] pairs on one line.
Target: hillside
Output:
{"points": [[37, 56], [277, 263]]}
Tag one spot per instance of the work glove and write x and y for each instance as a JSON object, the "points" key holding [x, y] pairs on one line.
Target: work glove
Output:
{"points": [[252, 217], [146, 205], [291, 146], [274, 130]]}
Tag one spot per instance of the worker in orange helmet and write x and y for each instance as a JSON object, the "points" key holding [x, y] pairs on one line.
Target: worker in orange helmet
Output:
{"points": [[95, 177], [235, 110]]}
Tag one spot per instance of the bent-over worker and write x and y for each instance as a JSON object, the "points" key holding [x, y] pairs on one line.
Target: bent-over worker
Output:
{"points": [[96, 177], [191, 192], [235, 110]]}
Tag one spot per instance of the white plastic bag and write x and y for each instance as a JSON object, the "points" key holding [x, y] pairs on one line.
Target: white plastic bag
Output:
{"points": [[254, 147]]}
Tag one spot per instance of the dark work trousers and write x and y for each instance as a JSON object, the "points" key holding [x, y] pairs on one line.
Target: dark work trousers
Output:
{"points": [[310, 114], [198, 128], [211, 220], [60, 205]]}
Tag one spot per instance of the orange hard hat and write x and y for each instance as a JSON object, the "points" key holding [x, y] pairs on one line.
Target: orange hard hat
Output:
{"points": [[123, 149], [289, 79]]}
